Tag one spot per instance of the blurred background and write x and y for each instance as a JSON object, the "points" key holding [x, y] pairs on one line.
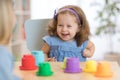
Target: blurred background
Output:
{"points": [[103, 17]]}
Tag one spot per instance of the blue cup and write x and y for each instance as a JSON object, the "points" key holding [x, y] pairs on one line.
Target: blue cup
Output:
{"points": [[39, 56]]}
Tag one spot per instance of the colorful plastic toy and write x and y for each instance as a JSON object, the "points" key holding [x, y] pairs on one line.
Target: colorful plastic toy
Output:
{"points": [[28, 62], [103, 69], [72, 66], [39, 56], [91, 66], [64, 63], [44, 69]]}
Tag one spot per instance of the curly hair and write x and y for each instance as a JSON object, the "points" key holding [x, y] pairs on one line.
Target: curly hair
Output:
{"points": [[84, 32]]}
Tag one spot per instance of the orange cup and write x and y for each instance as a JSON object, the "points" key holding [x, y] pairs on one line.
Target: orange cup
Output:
{"points": [[103, 70]]}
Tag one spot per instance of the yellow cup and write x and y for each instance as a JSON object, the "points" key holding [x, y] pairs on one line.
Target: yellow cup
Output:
{"points": [[64, 63], [91, 66]]}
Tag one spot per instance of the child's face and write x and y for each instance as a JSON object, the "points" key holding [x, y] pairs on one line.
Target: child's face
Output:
{"points": [[67, 27]]}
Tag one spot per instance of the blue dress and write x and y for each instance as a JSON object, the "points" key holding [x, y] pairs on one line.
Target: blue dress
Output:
{"points": [[61, 49], [6, 65]]}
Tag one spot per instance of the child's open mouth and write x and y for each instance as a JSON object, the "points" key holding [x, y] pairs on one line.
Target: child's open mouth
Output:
{"points": [[65, 35]]}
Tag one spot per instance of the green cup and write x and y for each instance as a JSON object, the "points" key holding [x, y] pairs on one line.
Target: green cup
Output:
{"points": [[44, 69]]}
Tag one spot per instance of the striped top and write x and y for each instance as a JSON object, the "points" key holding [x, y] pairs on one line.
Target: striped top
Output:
{"points": [[61, 49]]}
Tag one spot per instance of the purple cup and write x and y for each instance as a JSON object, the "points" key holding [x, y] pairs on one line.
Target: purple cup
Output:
{"points": [[72, 65]]}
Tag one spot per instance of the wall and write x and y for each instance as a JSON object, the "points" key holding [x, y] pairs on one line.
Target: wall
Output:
{"points": [[45, 8]]}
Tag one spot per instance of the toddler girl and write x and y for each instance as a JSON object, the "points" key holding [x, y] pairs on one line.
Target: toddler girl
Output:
{"points": [[68, 35]]}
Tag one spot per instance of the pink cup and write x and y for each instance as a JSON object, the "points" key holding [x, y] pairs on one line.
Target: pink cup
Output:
{"points": [[28, 62]]}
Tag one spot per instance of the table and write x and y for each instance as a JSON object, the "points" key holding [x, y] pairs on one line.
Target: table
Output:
{"points": [[60, 75]]}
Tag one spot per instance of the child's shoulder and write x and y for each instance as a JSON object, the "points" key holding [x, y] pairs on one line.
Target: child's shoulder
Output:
{"points": [[51, 39], [48, 37]]}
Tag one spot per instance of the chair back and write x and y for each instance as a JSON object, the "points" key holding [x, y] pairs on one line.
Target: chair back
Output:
{"points": [[35, 30]]}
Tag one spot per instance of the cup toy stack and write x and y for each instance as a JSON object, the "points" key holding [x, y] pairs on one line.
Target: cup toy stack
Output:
{"points": [[103, 69], [72, 65], [28, 62], [39, 57], [44, 69], [64, 63], [91, 66]]}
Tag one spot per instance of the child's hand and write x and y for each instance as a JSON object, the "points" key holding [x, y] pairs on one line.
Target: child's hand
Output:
{"points": [[51, 59], [86, 53]]}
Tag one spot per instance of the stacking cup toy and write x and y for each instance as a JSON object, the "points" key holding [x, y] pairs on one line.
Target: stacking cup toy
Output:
{"points": [[39, 56], [91, 66], [28, 62], [44, 70], [72, 65], [103, 70], [64, 63]]}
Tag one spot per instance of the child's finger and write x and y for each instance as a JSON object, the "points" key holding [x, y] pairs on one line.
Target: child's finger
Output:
{"points": [[49, 59], [52, 59]]}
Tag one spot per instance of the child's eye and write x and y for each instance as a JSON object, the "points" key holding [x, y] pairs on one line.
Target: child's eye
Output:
{"points": [[59, 25], [69, 26]]}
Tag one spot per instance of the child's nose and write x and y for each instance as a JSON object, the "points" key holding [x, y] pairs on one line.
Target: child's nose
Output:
{"points": [[64, 28]]}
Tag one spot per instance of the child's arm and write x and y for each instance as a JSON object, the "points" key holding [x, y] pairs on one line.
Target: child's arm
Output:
{"points": [[89, 50], [46, 49]]}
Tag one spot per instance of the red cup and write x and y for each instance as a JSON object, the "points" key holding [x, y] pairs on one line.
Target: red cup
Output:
{"points": [[28, 62]]}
